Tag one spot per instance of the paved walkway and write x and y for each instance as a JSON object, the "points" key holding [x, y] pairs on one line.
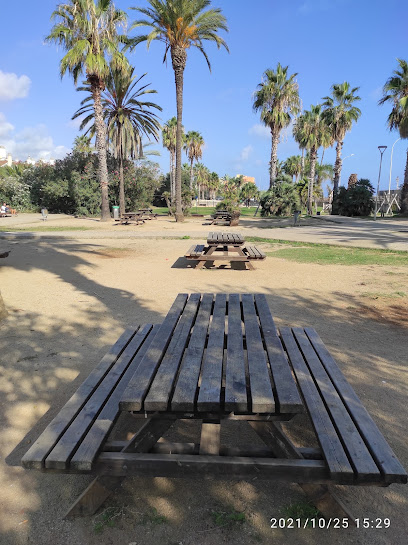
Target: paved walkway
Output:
{"points": [[387, 234]]}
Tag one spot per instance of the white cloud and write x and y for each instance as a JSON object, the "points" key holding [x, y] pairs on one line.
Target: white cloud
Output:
{"points": [[12, 86], [260, 130], [35, 142], [245, 153], [5, 127]]}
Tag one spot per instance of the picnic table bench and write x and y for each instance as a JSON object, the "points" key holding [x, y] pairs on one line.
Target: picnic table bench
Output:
{"points": [[224, 247], [216, 358], [131, 217], [147, 213], [221, 216]]}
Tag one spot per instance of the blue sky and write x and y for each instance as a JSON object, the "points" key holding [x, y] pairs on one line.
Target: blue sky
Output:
{"points": [[324, 41]]}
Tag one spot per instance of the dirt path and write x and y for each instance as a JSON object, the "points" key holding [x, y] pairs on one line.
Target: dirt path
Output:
{"points": [[68, 300]]}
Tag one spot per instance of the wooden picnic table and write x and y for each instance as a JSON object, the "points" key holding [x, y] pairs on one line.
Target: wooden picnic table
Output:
{"points": [[221, 216], [147, 213], [130, 217], [224, 247], [216, 358]]}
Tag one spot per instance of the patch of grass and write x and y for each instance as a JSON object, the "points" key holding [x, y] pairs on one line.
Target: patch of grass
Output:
{"points": [[153, 517], [186, 237], [46, 228], [222, 518], [326, 254], [107, 519], [301, 510]]}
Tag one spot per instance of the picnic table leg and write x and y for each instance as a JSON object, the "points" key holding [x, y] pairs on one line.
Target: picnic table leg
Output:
{"points": [[250, 266], [321, 496], [209, 251], [102, 487]]}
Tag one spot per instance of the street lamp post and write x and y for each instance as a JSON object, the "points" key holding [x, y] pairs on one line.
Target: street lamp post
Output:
{"points": [[382, 149], [389, 181]]}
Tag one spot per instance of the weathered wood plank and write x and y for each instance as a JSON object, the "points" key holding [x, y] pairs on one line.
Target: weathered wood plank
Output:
{"points": [[94, 439], [353, 443], [375, 441], [210, 438], [138, 386], [235, 378], [160, 390], [94, 496], [287, 394], [187, 383], [184, 465], [35, 456], [339, 465], [62, 452], [263, 400], [211, 374]]}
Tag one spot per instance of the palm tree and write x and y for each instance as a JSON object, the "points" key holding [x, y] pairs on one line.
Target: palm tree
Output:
{"points": [[202, 175], [277, 98], [293, 166], [181, 24], [169, 134], [339, 114], [395, 91], [127, 117], [193, 143], [298, 135], [88, 31], [314, 136], [82, 144], [213, 184], [249, 191]]}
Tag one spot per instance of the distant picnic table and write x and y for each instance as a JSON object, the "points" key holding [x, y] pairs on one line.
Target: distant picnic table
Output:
{"points": [[131, 217], [221, 216], [147, 213], [224, 247]]}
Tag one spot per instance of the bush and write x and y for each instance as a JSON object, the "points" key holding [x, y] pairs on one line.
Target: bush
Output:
{"points": [[281, 200], [356, 200], [15, 192]]}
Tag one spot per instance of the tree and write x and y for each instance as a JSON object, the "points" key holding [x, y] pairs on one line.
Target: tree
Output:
{"points": [[314, 131], [356, 200], [280, 200], [88, 31], [193, 143], [339, 114], [395, 92], [248, 191], [127, 117], [293, 166], [82, 144], [202, 174], [169, 137], [298, 135], [277, 98], [181, 24], [213, 184]]}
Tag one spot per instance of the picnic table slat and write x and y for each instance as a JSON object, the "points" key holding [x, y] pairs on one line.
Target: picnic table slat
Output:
{"points": [[187, 383], [375, 441], [335, 456], [62, 452], [211, 374], [138, 386], [358, 453], [235, 377], [92, 442], [35, 456], [287, 393], [159, 393], [263, 400]]}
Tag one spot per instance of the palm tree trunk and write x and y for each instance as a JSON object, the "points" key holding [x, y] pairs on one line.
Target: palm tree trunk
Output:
{"points": [[191, 175], [274, 158], [122, 207], [101, 150], [178, 58], [302, 164], [337, 173], [171, 175], [313, 158], [404, 189], [321, 160]]}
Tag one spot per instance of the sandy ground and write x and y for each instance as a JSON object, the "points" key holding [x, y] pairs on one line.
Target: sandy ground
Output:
{"points": [[69, 299]]}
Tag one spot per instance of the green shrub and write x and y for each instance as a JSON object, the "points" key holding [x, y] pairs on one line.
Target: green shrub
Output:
{"points": [[357, 200], [281, 200]]}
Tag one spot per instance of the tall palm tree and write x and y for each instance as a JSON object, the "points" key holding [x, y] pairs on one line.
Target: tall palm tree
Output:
{"points": [[277, 98], [169, 136], [127, 117], [213, 184], [395, 92], [193, 144], [298, 135], [88, 31], [181, 24], [314, 136], [202, 175], [339, 114]]}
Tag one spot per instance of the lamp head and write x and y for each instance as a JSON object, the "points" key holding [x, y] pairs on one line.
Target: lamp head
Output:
{"points": [[382, 149]]}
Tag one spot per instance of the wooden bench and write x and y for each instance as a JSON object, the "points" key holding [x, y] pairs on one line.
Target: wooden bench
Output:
{"points": [[355, 450], [130, 217], [195, 251], [253, 252]]}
